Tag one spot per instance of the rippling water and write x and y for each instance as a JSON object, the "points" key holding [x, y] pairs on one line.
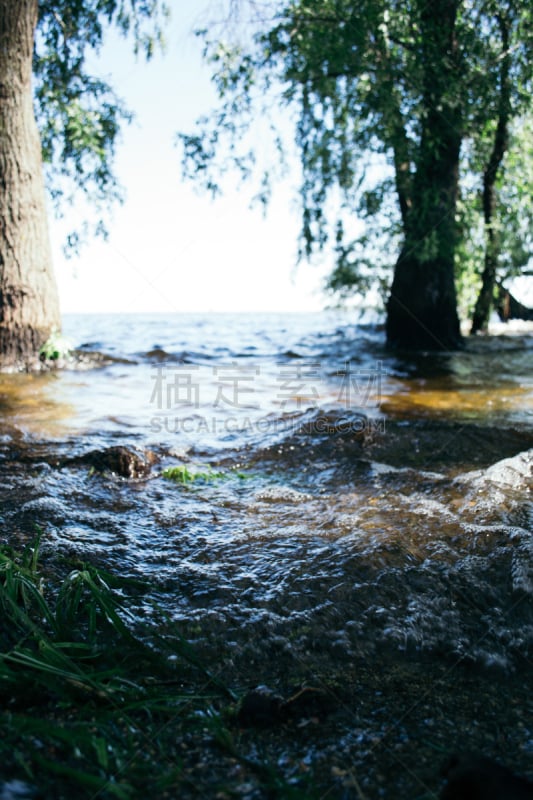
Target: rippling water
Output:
{"points": [[348, 501]]}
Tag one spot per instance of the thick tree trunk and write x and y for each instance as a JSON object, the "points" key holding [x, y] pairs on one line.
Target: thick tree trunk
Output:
{"points": [[422, 307], [29, 307]]}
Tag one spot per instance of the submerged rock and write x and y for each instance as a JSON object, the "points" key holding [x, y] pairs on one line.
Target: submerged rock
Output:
{"points": [[479, 778], [260, 707], [120, 460]]}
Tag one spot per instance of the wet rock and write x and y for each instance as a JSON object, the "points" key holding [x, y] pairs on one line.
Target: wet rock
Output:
{"points": [[261, 707], [17, 790], [330, 422], [307, 702], [513, 472], [158, 354], [78, 360], [121, 461], [436, 445], [479, 778]]}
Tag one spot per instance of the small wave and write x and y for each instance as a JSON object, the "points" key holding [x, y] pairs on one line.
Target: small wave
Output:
{"points": [[159, 355], [280, 494], [515, 472]]}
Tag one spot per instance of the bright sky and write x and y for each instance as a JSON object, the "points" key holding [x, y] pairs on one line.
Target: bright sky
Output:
{"points": [[171, 249]]}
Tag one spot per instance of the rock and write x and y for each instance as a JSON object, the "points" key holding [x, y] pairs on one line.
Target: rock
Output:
{"points": [[479, 778], [122, 461], [262, 707], [16, 790], [513, 473], [259, 708], [307, 702]]}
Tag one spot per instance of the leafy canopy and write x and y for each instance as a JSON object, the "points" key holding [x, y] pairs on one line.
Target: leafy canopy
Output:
{"points": [[358, 80], [78, 112]]}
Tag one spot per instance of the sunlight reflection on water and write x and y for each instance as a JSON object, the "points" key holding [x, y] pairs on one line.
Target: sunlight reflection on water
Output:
{"points": [[361, 537], [225, 382]]}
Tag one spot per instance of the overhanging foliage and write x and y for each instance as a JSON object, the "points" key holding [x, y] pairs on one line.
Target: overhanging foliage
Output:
{"points": [[361, 79], [78, 112]]}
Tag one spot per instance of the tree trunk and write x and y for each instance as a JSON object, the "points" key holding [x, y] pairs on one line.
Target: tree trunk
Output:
{"points": [[29, 307], [480, 319], [422, 307]]}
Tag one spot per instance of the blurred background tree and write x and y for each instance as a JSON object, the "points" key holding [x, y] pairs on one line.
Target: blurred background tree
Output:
{"points": [[403, 115]]}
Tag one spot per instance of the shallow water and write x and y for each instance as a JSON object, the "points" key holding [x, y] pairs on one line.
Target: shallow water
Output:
{"points": [[201, 378], [354, 508]]}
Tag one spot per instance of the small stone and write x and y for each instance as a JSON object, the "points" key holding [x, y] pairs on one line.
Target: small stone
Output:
{"points": [[259, 708]]}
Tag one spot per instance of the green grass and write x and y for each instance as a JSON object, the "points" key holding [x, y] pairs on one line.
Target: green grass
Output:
{"points": [[89, 709], [55, 347], [75, 712], [185, 475]]}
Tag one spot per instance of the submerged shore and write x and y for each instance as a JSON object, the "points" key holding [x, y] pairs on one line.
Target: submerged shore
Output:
{"points": [[368, 566]]}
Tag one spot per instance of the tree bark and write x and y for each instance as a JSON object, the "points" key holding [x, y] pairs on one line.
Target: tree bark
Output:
{"points": [[422, 307], [29, 306], [480, 319]]}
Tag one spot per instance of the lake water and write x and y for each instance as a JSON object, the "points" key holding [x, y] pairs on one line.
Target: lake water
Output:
{"points": [[349, 502], [219, 379]]}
